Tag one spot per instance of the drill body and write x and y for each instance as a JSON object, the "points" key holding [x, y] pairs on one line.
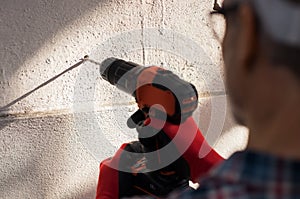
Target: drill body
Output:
{"points": [[170, 97]]}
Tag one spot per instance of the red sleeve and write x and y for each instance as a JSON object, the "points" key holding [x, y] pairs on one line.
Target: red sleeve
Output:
{"points": [[108, 182], [190, 142]]}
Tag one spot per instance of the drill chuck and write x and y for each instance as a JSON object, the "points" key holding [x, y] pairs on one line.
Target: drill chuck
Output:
{"points": [[120, 73]]}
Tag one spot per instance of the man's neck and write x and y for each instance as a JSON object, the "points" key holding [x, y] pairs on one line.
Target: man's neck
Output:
{"points": [[280, 135]]}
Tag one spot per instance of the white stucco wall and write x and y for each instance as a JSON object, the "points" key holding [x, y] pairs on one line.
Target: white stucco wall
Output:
{"points": [[51, 142]]}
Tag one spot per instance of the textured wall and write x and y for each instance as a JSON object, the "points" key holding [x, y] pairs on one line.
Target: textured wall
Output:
{"points": [[52, 141]]}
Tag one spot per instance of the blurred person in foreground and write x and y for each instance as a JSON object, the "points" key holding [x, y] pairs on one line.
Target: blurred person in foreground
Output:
{"points": [[261, 51]]}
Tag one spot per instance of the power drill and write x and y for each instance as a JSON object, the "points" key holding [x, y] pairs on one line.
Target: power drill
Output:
{"points": [[162, 95], [152, 86]]}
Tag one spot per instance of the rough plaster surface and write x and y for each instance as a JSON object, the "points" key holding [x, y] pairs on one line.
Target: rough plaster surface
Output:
{"points": [[51, 145], [42, 158]]}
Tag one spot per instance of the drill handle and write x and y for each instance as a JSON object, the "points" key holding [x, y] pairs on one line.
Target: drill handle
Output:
{"points": [[136, 119]]}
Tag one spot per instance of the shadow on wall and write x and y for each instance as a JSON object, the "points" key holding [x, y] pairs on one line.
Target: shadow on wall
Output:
{"points": [[26, 25], [5, 122]]}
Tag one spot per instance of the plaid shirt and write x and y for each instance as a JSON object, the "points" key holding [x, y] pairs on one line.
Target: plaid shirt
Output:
{"points": [[248, 175]]}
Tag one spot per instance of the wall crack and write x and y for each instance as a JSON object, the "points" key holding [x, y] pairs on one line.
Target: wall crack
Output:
{"points": [[143, 32], [162, 20]]}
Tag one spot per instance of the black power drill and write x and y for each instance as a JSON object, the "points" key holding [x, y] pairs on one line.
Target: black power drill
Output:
{"points": [[159, 94], [177, 98]]}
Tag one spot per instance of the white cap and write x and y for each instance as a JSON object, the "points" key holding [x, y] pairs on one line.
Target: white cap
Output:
{"points": [[280, 19]]}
